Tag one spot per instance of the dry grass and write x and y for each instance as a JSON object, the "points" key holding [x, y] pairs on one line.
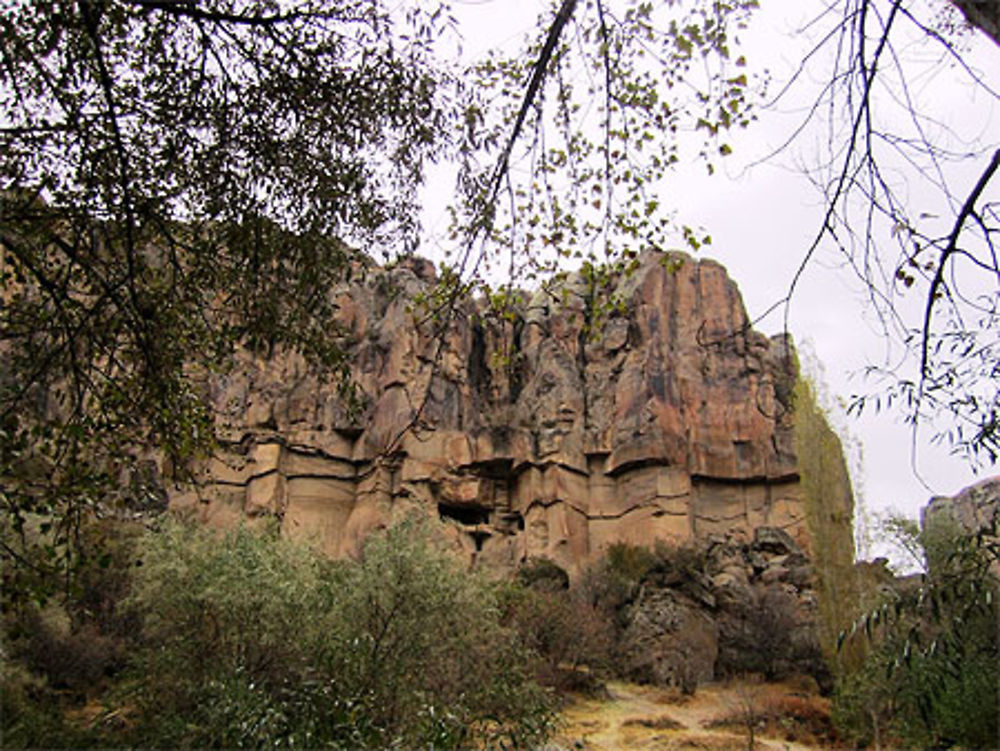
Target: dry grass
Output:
{"points": [[663, 722], [779, 712], [672, 696], [788, 715], [710, 743]]}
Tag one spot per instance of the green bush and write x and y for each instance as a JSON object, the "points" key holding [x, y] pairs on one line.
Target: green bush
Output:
{"points": [[428, 652], [630, 562], [250, 641], [929, 678]]}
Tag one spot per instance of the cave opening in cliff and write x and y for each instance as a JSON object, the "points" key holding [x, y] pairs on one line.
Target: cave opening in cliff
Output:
{"points": [[468, 515]]}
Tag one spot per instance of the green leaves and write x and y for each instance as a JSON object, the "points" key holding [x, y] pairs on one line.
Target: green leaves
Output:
{"points": [[250, 640], [177, 182], [587, 177], [929, 673]]}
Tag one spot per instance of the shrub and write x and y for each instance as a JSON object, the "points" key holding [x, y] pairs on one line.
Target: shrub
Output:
{"points": [[630, 562], [763, 635], [427, 649], [249, 640], [543, 574], [929, 677], [689, 559], [571, 639]]}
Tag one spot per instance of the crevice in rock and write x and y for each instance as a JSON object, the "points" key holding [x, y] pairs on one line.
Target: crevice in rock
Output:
{"points": [[479, 537], [228, 484], [659, 511], [320, 476], [620, 469], [754, 480], [469, 516], [509, 522], [478, 369], [259, 475], [516, 375], [496, 468]]}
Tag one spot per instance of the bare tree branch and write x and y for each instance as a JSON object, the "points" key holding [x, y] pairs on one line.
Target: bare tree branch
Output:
{"points": [[968, 210]]}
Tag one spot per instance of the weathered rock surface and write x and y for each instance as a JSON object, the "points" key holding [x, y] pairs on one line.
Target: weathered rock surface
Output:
{"points": [[736, 606], [553, 432], [975, 508], [975, 511]]}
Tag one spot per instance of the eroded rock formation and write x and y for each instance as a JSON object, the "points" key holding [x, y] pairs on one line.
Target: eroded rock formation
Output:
{"points": [[551, 432], [975, 509], [744, 606]]}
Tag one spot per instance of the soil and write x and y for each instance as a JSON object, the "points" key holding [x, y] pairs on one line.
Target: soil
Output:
{"points": [[629, 716]]}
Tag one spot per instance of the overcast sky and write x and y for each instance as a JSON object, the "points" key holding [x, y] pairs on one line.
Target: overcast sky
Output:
{"points": [[763, 219]]}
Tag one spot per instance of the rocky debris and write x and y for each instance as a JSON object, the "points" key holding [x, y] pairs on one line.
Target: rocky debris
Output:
{"points": [[550, 432], [756, 615]]}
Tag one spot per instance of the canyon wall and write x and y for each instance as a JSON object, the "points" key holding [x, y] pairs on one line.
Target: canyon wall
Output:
{"points": [[625, 407]]}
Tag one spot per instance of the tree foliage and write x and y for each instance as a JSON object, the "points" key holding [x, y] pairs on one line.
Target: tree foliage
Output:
{"points": [[566, 142], [178, 179], [929, 678], [248, 640], [911, 209]]}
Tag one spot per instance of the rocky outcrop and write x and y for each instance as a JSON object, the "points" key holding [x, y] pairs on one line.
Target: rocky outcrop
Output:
{"points": [[730, 606], [627, 407], [975, 509]]}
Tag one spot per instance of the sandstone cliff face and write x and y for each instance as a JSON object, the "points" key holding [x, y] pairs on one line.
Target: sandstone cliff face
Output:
{"points": [[552, 433]]}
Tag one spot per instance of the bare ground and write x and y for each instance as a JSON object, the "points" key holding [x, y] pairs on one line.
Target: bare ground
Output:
{"points": [[714, 719]]}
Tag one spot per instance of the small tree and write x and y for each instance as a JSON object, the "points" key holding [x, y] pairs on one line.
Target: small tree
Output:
{"points": [[930, 676], [251, 640], [761, 637], [748, 709]]}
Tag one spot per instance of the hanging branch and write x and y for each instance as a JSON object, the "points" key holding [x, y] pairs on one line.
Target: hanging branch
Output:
{"points": [[968, 210]]}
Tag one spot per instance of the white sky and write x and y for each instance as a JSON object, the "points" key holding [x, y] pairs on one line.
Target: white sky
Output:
{"points": [[762, 220]]}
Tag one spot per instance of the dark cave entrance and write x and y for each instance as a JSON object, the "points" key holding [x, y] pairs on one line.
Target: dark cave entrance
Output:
{"points": [[467, 515]]}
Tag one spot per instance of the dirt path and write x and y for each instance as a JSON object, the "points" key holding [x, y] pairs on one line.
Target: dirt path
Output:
{"points": [[643, 717]]}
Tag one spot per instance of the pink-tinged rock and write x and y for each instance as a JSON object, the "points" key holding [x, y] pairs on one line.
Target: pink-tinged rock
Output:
{"points": [[554, 432]]}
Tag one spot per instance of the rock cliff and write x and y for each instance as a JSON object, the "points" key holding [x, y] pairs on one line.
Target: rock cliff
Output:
{"points": [[553, 430], [975, 509]]}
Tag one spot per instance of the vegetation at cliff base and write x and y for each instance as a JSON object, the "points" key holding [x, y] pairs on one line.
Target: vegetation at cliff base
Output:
{"points": [[242, 639]]}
